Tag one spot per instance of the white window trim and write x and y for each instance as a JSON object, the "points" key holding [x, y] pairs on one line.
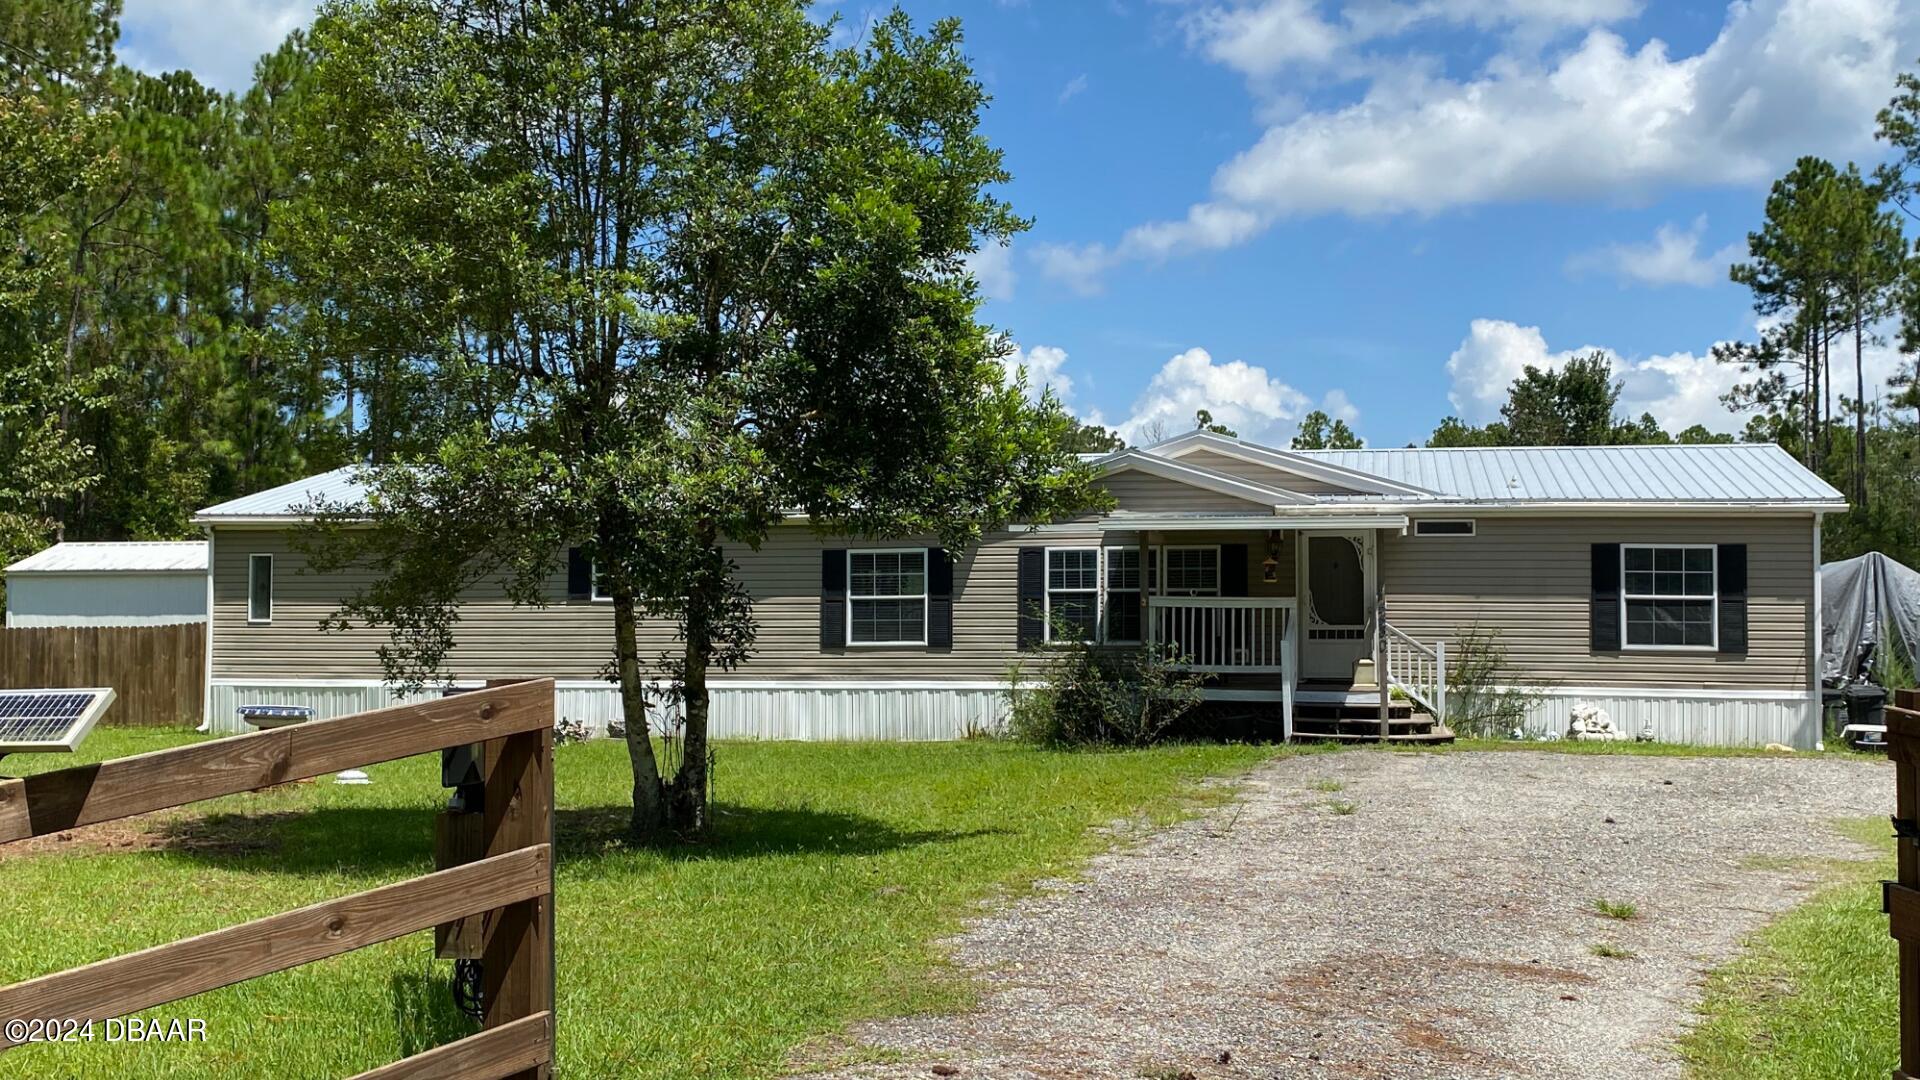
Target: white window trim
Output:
{"points": [[1099, 591], [925, 598], [1160, 584], [1106, 556], [1473, 528], [1714, 598], [253, 560], [593, 584]]}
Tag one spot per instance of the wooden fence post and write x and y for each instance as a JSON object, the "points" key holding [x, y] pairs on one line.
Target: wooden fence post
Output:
{"points": [[517, 960], [1902, 896]]}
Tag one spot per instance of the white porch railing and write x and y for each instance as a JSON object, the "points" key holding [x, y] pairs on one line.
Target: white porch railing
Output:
{"points": [[1225, 634], [1418, 671]]}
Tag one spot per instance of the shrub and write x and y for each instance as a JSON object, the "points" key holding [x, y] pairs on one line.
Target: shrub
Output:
{"points": [[1078, 694], [1478, 706]]}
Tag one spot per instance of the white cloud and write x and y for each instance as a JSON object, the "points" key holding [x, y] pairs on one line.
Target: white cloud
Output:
{"points": [[1672, 258], [1043, 365], [1337, 405], [1264, 38], [992, 267], [218, 40], [1680, 389], [1079, 268], [1074, 88], [1238, 394], [1600, 120]]}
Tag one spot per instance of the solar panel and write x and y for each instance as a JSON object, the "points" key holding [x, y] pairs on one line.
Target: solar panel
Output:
{"points": [[49, 720]]}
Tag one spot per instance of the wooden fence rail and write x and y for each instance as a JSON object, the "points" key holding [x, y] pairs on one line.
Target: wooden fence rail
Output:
{"points": [[158, 673], [512, 883], [1901, 897]]}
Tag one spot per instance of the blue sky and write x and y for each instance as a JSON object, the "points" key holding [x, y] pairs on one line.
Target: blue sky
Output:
{"points": [[1384, 207]]}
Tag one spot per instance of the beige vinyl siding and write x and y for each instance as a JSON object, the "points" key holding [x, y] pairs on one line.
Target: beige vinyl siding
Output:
{"points": [[1264, 475], [572, 639], [1530, 578], [1138, 491]]}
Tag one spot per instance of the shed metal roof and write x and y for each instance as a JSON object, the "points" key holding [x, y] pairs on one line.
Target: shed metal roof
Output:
{"points": [[1742, 473], [156, 557]]}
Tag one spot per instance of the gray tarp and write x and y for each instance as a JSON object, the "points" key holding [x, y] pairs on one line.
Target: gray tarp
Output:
{"points": [[1859, 598]]}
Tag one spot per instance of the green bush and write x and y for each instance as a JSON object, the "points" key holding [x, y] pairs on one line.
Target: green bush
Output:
{"points": [[1076, 694], [1478, 705]]}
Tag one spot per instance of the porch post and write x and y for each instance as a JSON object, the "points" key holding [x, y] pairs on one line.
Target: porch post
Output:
{"points": [[1380, 636], [1148, 631]]}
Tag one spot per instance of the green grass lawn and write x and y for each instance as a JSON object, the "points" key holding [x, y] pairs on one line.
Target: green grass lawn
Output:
{"points": [[833, 871], [1814, 996]]}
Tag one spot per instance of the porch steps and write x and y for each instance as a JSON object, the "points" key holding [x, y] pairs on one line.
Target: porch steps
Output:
{"points": [[1403, 726]]}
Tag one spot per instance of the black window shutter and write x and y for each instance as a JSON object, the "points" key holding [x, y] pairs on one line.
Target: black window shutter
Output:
{"points": [[833, 598], [1604, 613], [1732, 584], [579, 575], [1033, 597], [939, 599], [1233, 569]]}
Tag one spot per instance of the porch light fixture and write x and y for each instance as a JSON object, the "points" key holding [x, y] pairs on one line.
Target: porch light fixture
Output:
{"points": [[1270, 566]]}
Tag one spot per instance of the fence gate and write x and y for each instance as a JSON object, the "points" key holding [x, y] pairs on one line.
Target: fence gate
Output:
{"points": [[512, 884]]}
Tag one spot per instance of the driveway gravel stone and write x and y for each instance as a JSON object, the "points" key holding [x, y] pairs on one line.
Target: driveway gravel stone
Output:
{"points": [[1432, 917]]}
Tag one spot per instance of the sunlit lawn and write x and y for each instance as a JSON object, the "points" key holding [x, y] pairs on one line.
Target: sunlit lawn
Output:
{"points": [[1814, 996], [833, 872]]}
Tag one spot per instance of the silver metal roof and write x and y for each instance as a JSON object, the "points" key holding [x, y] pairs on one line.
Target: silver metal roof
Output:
{"points": [[278, 502], [1708, 473], [159, 557]]}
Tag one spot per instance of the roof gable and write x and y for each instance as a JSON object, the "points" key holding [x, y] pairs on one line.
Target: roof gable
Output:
{"points": [[1200, 479], [1285, 469]]}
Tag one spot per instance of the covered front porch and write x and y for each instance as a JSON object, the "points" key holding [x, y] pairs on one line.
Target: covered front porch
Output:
{"points": [[1289, 616]]}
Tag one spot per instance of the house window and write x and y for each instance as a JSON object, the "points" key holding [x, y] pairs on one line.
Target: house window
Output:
{"points": [[1123, 594], [259, 588], [1073, 593], [1669, 596], [1191, 571], [887, 597], [1435, 527], [599, 590]]}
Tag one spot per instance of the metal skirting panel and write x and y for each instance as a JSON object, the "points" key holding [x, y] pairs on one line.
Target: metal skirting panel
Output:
{"points": [[918, 713], [819, 713], [1702, 720]]}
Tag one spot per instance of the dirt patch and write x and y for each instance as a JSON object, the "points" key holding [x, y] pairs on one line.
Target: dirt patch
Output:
{"points": [[1444, 928], [222, 834]]}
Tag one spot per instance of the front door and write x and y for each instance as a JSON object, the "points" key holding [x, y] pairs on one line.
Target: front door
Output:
{"points": [[1336, 596]]}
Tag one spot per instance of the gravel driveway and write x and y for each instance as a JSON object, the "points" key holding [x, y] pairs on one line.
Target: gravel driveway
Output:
{"points": [[1441, 926]]}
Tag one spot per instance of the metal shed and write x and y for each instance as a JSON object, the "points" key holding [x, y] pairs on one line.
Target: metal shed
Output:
{"points": [[109, 584]]}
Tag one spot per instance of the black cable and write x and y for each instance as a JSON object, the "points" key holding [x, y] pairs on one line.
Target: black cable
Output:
{"points": [[468, 996]]}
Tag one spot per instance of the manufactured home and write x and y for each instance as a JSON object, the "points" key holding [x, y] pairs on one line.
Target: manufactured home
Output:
{"points": [[1675, 587]]}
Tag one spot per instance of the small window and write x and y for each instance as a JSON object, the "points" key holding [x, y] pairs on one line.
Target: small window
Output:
{"points": [[1123, 595], [1073, 593], [1192, 571], [887, 597], [1453, 527], [1668, 596], [598, 590], [259, 588]]}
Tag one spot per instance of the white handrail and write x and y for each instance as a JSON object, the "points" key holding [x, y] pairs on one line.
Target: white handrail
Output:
{"points": [[1417, 671]]}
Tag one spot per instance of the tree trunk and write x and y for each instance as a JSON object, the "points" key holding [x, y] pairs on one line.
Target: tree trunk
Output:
{"points": [[649, 821], [687, 794], [1859, 415]]}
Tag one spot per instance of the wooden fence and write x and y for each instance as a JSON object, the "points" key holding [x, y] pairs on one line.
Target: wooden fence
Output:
{"points": [[1901, 897], [512, 885], [158, 673]]}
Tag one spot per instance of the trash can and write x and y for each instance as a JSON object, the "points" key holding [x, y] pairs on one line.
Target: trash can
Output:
{"points": [[274, 716], [1833, 709], [1867, 716]]}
